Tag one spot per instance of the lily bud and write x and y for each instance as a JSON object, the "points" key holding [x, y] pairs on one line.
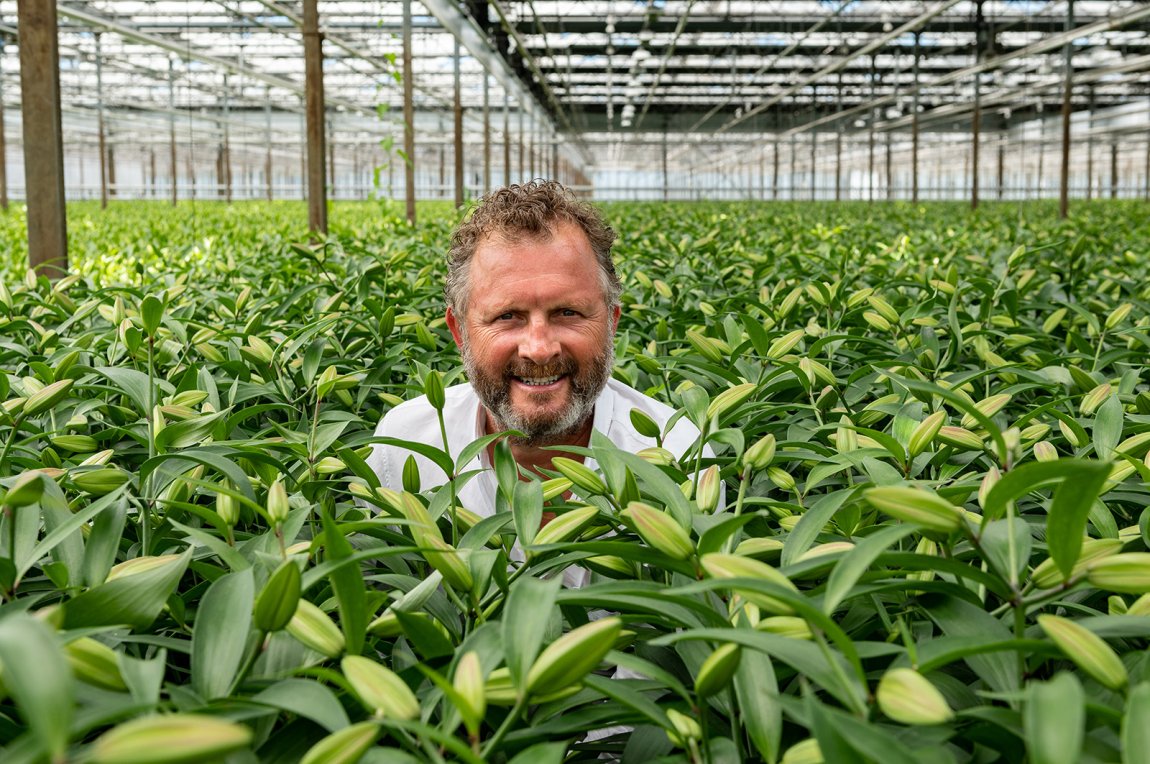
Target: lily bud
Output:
{"points": [[908, 697], [804, 752], [1044, 451], [566, 526], [717, 670], [277, 502], [659, 530], [959, 438], [579, 474], [789, 626], [101, 481], [278, 600], [785, 344], [729, 399], [924, 433], [759, 456], [781, 478], [95, 663], [1046, 574], [709, 484], [988, 407], [1128, 573], [227, 507], [718, 565], [26, 490], [469, 685], [47, 397], [916, 505], [379, 688], [568, 659], [344, 745], [1086, 650], [684, 728], [1095, 398], [148, 739], [315, 629]]}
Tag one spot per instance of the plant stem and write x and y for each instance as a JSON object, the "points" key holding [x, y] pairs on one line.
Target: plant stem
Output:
{"points": [[504, 728]]}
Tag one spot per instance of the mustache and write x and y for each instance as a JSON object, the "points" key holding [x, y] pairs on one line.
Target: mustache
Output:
{"points": [[556, 368]]}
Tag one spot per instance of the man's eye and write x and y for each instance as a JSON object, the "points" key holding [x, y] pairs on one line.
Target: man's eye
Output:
{"points": [[505, 317], [568, 312]]}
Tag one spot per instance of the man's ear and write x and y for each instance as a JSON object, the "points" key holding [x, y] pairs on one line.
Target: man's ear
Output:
{"points": [[615, 312], [455, 327]]}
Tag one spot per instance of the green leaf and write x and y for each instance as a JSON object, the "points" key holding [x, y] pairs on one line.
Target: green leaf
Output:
{"points": [[307, 698], [811, 524], [220, 636], [1069, 510], [348, 584], [626, 695], [847, 571], [1054, 719], [134, 600], [541, 753], [1136, 726], [525, 618], [62, 527], [135, 385], [1034, 475], [151, 313], [1107, 428], [38, 677], [104, 541], [759, 710], [527, 509], [996, 541], [958, 618]]}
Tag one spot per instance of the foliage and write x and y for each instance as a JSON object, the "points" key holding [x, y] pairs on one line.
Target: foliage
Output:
{"points": [[932, 548]]}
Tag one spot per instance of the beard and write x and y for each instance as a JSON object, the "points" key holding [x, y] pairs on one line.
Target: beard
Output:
{"points": [[585, 383]]}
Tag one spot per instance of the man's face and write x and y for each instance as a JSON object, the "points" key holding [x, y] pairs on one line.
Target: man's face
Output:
{"points": [[537, 335]]}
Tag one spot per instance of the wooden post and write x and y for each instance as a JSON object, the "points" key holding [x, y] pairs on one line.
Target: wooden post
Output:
{"points": [[1090, 146], [4, 141], [976, 117], [914, 129], [101, 138], [775, 169], [1001, 157], [486, 133], [329, 140], [172, 164], [313, 96], [459, 179], [408, 116], [43, 139], [1067, 87], [522, 167], [226, 164], [1114, 170], [268, 143], [889, 167], [666, 192], [506, 139]]}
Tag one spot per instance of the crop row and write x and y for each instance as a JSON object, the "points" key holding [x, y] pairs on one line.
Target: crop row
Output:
{"points": [[932, 428]]}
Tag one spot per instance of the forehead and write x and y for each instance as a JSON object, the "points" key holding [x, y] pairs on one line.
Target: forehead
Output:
{"points": [[561, 258]]}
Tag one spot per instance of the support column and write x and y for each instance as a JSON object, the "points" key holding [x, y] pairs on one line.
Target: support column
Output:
{"points": [[914, 129], [1067, 87], [775, 170], [1001, 157], [1113, 170], [666, 195], [152, 173], [313, 73], [268, 143], [4, 141], [101, 138], [1090, 147], [976, 118], [522, 167], [814, 160], [43, 139], [459, 179], [839, 165], [506, 140], [172, 164], [329, 141], [226, 164], [889, 167], [486, 133], [408, 115], [870, 132]]}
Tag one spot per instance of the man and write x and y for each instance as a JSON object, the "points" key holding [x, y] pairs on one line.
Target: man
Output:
{"points": [[533, 303]]}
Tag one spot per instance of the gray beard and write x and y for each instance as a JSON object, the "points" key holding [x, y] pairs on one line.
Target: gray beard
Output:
{"points": [[586, 384]]}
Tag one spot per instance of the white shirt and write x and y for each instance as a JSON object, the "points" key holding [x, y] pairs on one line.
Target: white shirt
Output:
{"points": [[463, 415]]}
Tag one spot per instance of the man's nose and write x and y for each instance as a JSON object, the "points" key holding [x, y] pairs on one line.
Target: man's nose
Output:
{"points": [[539, 344]]}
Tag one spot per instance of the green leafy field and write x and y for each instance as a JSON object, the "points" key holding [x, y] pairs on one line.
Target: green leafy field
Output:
{"points": [[933, 428]]}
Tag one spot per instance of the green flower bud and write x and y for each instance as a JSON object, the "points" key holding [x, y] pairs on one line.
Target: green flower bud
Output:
{"points": [[101, 481], [566, 526], [25, 490], [344, 746], [277, 502], [785, 344], [95, 663], [568, 659], [579, 474], [710, 484], [924, 433], [46, 397], [1095, 398], [683, 728], [908, 697], [759, 456], [170, 739], [988, 407], [659, 530], [729, 399], [1128, 573], [469, 686], [1086, 650], [315, 629], [1046, 574], [718, 565], [916, 505], [379, 688], [717, 670], [279, 599], [959, 438]]}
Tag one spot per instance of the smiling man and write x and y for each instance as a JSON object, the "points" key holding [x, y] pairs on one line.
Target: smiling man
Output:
{"points": [[533, 303]]}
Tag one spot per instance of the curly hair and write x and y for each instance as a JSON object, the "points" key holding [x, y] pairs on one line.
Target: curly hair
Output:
{"points": [[530, 210]]}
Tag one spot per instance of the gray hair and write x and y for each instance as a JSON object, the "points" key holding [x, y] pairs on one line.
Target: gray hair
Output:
{"points": [[530, 210]]}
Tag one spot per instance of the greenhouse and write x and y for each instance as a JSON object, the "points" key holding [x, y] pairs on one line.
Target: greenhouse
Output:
{"points": [[507, 382]]}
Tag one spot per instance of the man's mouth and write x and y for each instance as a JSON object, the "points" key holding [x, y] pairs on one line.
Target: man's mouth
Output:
{"points": [[539, 381]]}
